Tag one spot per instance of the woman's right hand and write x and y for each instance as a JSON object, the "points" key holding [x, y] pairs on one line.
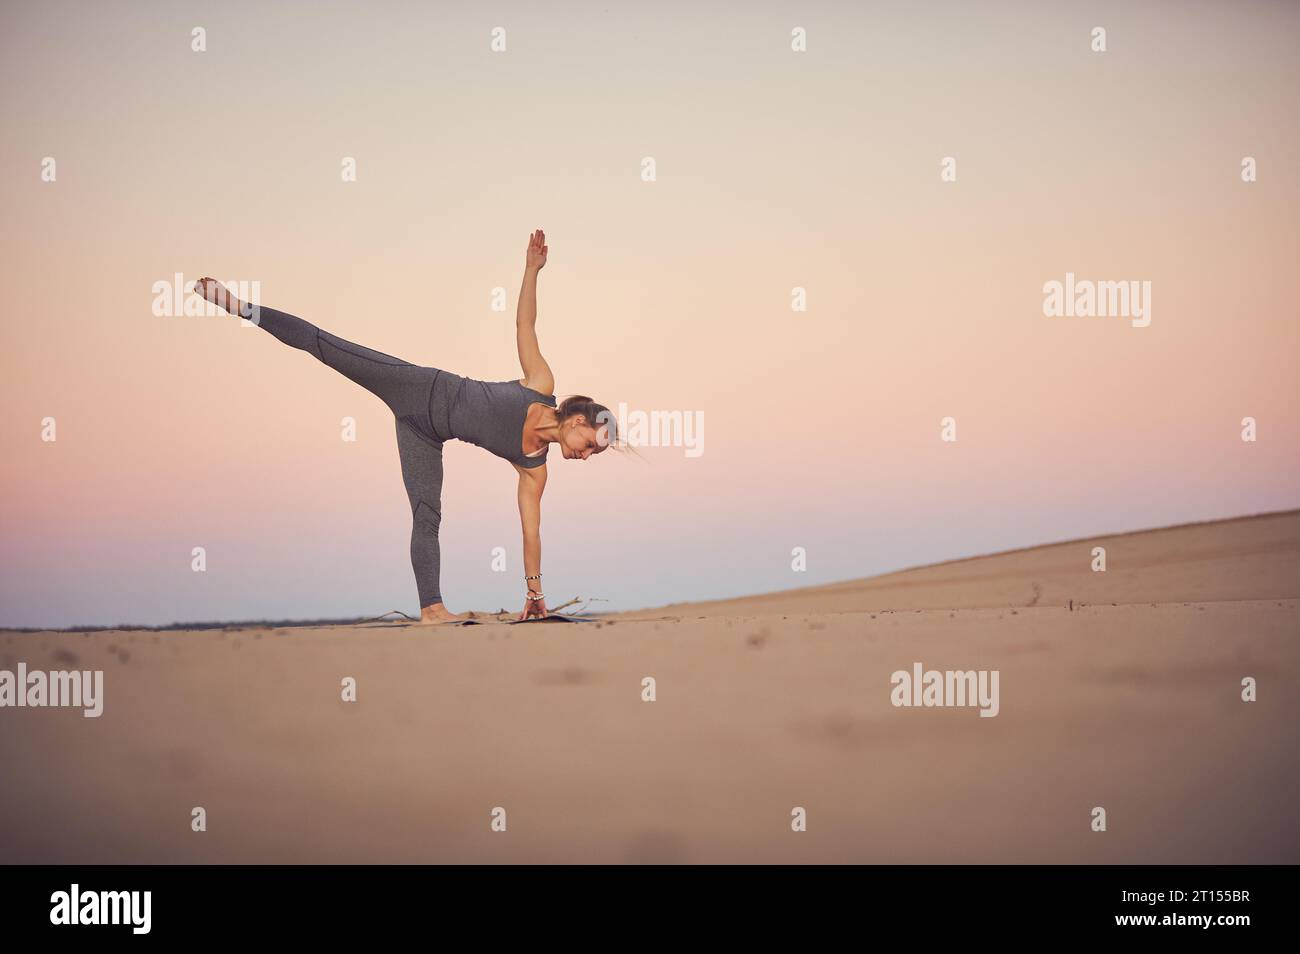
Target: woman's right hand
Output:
{"points": [[534, 608]]}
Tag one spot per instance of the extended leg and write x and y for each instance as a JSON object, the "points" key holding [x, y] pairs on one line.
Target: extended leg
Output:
{"points": [[400, 384]]}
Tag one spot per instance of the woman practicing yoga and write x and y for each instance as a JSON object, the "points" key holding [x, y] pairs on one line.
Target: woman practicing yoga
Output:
{"points": [[516, 420]]}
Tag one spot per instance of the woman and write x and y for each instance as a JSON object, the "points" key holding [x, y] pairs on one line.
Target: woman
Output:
{"points": [[515, 420]]}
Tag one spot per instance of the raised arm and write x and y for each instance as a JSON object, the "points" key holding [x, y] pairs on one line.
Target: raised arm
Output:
{"points": [[537, 373], [532, 481]]}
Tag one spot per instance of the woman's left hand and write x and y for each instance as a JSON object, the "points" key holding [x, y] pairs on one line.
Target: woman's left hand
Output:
{"points": [[534, 608], [537, 250]]}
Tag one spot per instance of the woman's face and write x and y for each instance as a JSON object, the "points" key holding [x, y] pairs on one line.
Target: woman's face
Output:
{"points": [[579, 440]]}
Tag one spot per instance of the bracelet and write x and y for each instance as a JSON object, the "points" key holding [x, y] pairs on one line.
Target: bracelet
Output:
{"points": [[537, 577], [533, 599]]}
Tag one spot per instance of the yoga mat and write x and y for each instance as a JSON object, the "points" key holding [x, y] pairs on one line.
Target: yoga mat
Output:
{"points": [[552, 618]]}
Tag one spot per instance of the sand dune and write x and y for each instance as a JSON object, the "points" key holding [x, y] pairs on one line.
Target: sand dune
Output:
{"points": [[1250, 558], [1119, 689]]}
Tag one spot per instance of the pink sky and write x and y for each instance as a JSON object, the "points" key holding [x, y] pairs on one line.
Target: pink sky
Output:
{"points": [[775, 170]]}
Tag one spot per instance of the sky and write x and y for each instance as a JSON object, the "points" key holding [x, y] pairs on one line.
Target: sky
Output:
{"points": [[768, 239]]}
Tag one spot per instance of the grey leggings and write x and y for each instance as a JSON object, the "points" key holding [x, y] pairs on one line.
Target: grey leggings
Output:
{"points": [[419, 406]]}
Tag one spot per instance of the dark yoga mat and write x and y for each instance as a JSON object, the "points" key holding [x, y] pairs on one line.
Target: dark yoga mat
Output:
{"points": [[555, 618], [552, 618]]}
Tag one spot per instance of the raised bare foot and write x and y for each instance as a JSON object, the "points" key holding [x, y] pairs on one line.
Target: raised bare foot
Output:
{"points": [[436, 613], [209, 289]]}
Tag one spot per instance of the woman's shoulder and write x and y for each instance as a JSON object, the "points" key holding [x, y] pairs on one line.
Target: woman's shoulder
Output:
{"points": [[548, 398]]}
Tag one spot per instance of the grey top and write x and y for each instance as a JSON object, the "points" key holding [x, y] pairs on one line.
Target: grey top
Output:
{"points": [[491, 414]]}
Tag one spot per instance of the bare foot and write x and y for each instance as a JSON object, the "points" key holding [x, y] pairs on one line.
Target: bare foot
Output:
{"points": [[209, 289], [436, 613]]}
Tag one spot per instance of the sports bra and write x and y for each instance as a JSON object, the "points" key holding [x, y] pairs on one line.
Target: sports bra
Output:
{"points": [[492, 415]]}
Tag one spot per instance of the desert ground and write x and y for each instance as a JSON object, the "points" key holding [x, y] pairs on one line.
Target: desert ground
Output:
{"points": [[1119, 689]]}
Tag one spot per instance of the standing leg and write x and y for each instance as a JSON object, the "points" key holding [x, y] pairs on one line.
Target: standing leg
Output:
{"points": [[422, 474]]}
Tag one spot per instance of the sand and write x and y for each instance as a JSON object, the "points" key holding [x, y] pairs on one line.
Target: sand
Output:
{"points": [[1119, 690]]}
